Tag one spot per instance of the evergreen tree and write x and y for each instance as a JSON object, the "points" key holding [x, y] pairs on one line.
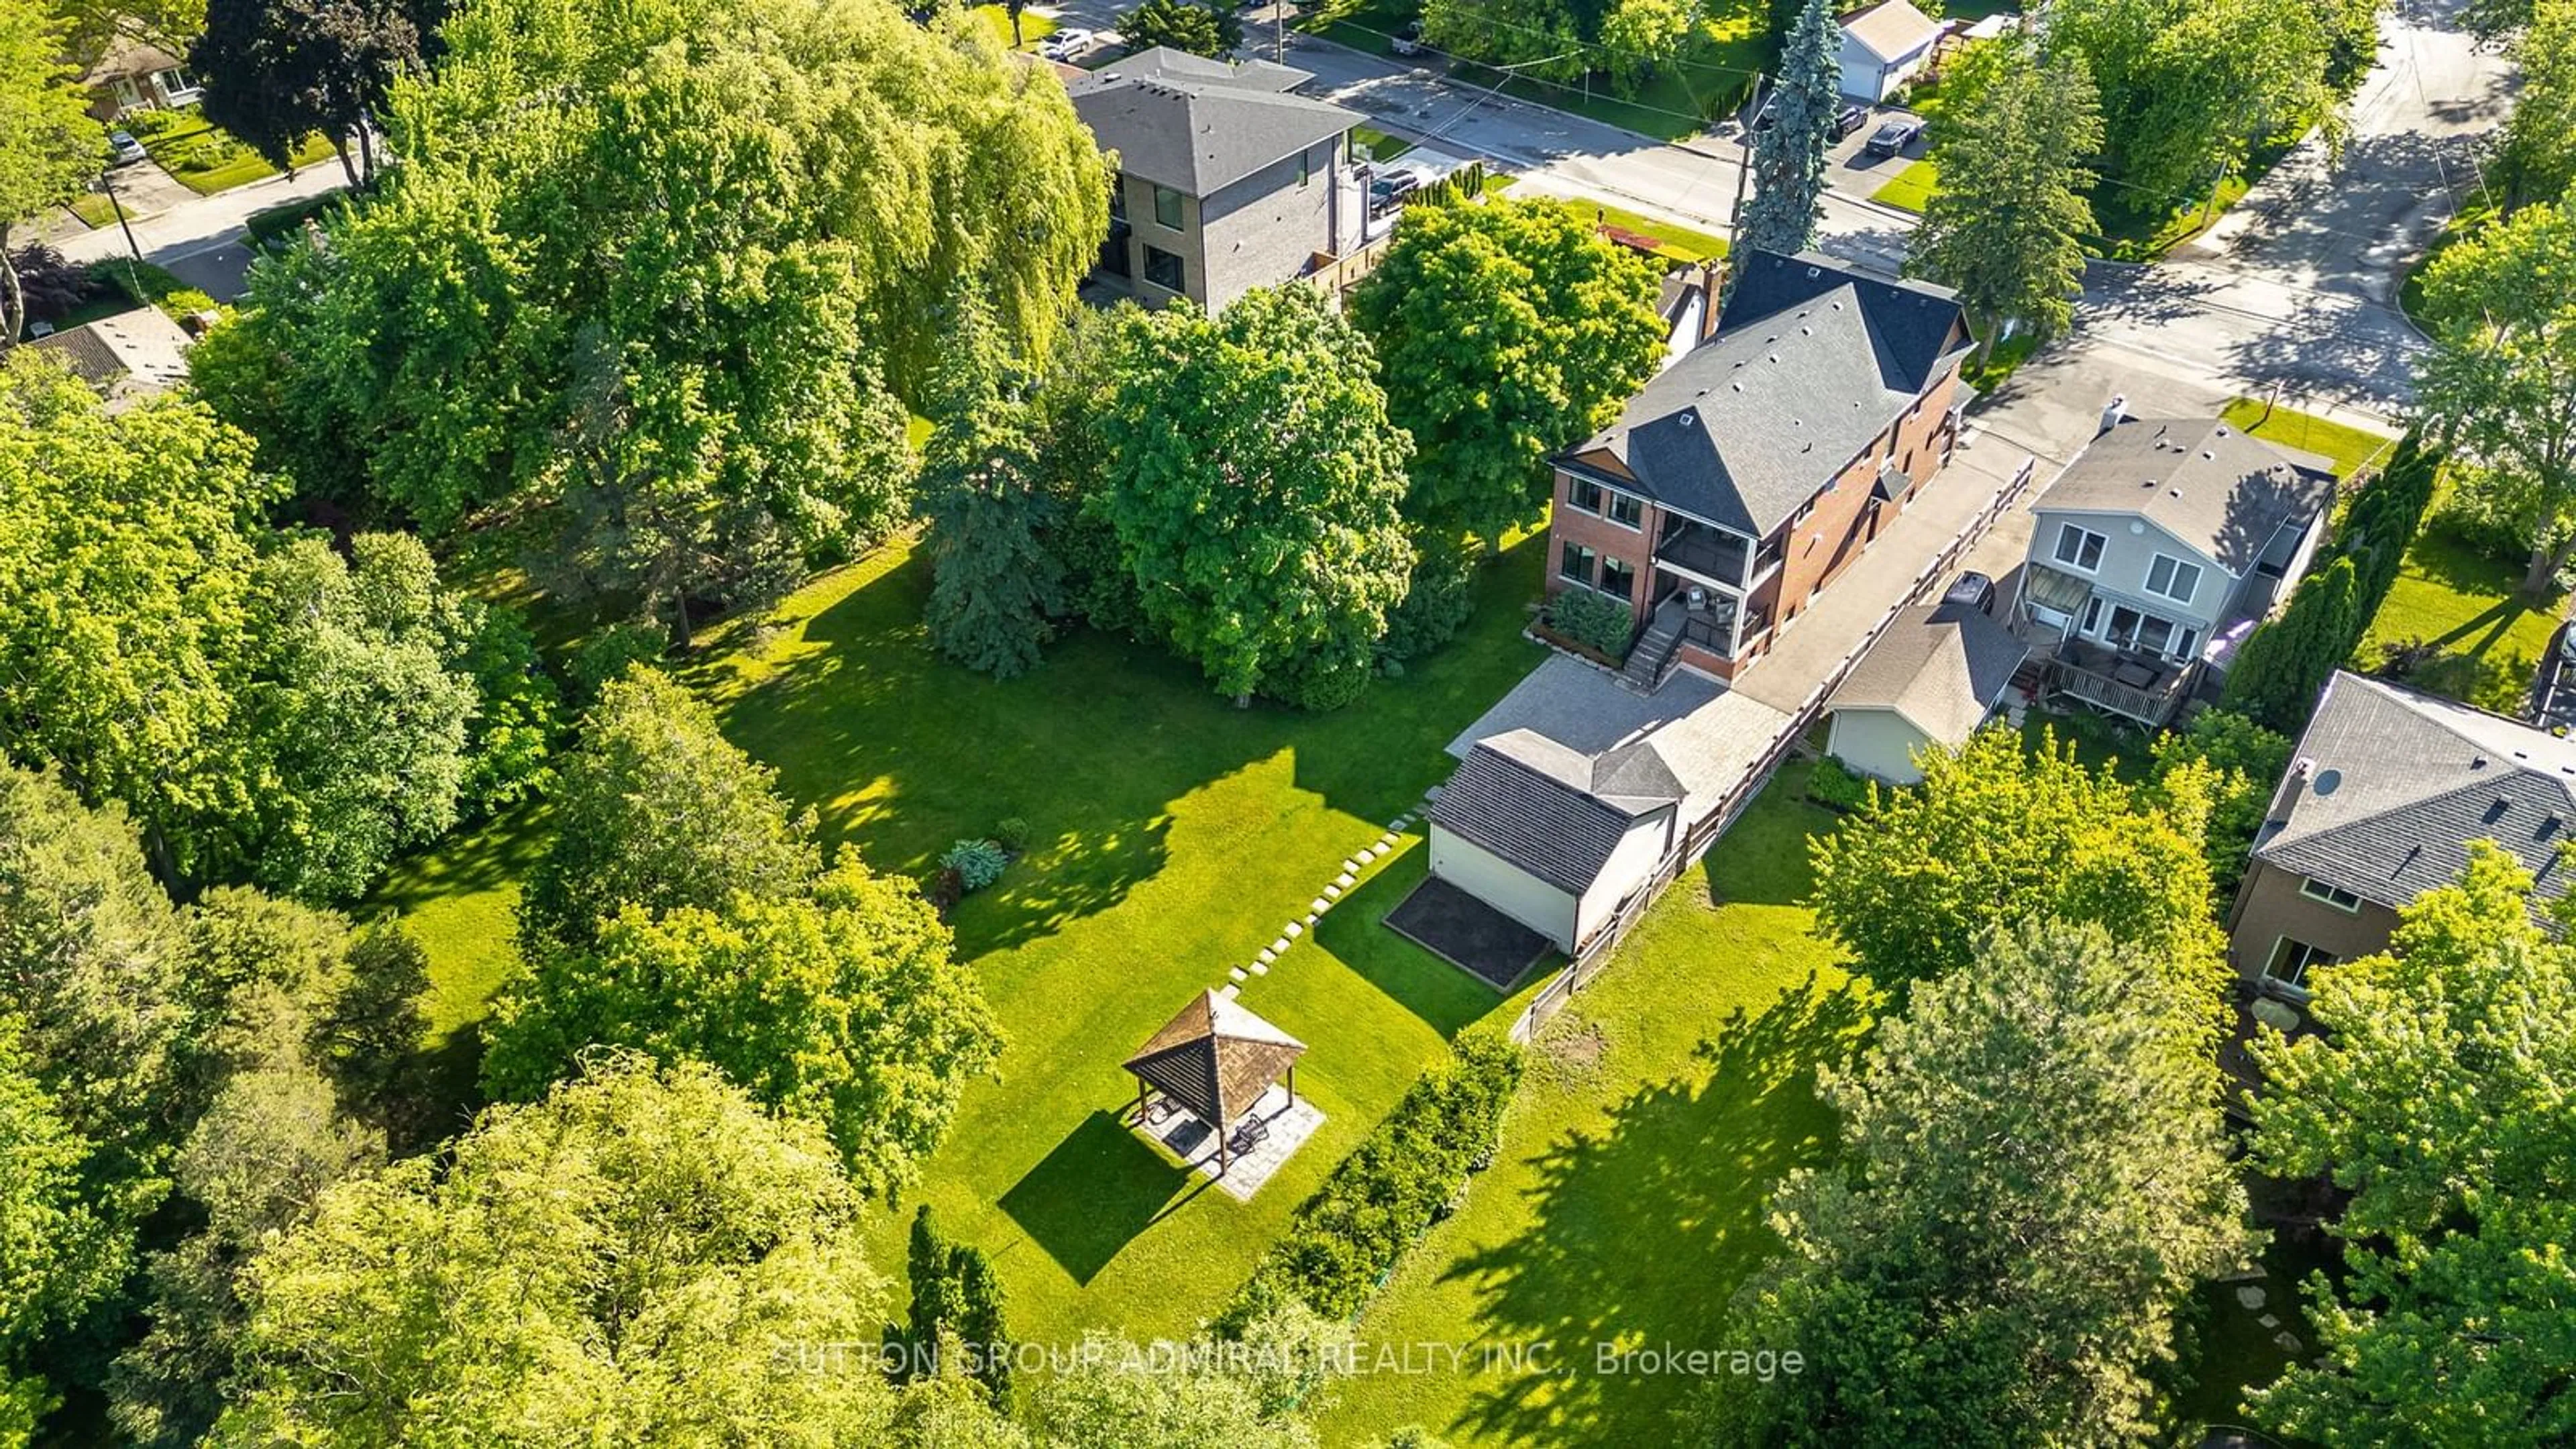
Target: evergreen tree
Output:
{"points": [[980, 1320], [2285, 663], [995, 586], [1209, 30], [1789, 157], [936, 1304]]}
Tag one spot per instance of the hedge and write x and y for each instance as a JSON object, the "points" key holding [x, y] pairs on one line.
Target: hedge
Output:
{"points": [[1348, 1236]]}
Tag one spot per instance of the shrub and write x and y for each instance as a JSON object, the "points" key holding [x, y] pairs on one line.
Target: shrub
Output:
{"points": [[1595, 621], [608, 654], [1836, 786], [1353, 1231], [1012, 834], [50, 286], [978, 863], [1442, 595]]}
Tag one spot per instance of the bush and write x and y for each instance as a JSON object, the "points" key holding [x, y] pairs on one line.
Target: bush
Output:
{"points": [[978, 863], [1346, 1238], [1442, 595], [1012, 834], [2490, 519], [1836, 786], [608, 654], [1595, 621], [50, 286]]}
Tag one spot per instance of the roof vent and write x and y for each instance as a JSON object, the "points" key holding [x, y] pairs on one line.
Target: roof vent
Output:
{"points": [[1689, 418], [2477, 762], [2173, 493], [1806, 331], [2222, 430], [2207, 454], [1739, 387], [1838, 306], [1813, 272], [2520, 755]]}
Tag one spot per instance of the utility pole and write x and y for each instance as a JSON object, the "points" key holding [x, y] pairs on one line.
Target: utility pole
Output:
{"points": [[1735, 217], [1279, 33]]}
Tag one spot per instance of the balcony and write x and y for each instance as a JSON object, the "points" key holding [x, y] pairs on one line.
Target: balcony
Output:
{"points": [[2144, 687], [1711, 554]]}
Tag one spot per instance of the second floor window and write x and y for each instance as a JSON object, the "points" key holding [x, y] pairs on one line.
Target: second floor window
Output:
{"points": [[2173, 579], [1626, 510], [1583, 493], [2332, 895], [2079, 547], [1167, 207]]}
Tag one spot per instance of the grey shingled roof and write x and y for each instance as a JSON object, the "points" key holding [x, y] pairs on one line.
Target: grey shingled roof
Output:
{"points": [[1555, 812], [1199, 130], [2397, 783], [1941, 666], [125, 356], [1811, 362], [2201, 480], [1892, 29], [1164, 63]]}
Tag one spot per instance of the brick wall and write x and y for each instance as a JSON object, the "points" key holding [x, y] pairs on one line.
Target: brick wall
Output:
{"points": [[1837, 532], [1568, 524]]}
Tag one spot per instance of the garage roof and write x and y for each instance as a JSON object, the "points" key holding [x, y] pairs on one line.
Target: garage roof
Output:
{"points": [[1892, 29], [1553, 811], [1941, 667]]}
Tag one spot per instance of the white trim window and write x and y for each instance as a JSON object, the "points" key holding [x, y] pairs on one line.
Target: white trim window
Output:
{"points": [[2292, 960], [1625, 510], [2171, 578], [2080, 548], [1583, 495], [2331, 895]]}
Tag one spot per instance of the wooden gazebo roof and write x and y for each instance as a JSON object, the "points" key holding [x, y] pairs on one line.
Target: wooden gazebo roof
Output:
{"points": [[1216, 1058]]}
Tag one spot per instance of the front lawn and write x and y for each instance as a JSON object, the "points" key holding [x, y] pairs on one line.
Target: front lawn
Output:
{"points": [[1909, 189], [1033, 26], [206, 159], [1172, 837], [2488, 636], [2348, 447], [1670, 239], [1626, 1203], [1379, 146]]}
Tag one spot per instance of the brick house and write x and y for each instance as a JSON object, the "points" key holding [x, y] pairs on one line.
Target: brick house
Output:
{"points": [[1756, 468]]}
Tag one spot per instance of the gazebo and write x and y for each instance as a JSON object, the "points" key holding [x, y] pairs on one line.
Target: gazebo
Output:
{"points": [[1215, 1060]]}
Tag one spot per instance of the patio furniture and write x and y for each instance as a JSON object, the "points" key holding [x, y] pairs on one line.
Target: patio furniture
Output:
{"points": [[1249, 1136], [1214, 1061], [2134, 673]]}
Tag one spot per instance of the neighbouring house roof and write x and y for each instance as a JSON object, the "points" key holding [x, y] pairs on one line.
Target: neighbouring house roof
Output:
{"points": [[1196, 130], [1215, 1058], [2203, 481], [2388, 786], [127, 356], [1892, 29], [130, 55], [1941, 667], [1164, 63], [1552, 810], [1810, 363]]}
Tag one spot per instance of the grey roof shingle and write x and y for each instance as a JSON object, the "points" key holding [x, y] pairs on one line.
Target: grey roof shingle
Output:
{"points": [[1941, 666], [129, 354], [1555, 812], [2399, 782], [2201, 480], [1200, 127], [1164, 63], [1810, 364]]}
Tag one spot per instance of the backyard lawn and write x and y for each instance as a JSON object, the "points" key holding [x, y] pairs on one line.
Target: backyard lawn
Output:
{"points": [[1626, 1203], [2469, 607], [1172, 837]]}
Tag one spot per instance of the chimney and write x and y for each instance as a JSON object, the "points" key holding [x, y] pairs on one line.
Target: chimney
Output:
{"points": [[2112, 414]]}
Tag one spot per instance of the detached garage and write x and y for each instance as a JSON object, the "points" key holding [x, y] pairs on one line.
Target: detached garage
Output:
{"points": [[1884, 46], [1929, 681], [1554, 838]]}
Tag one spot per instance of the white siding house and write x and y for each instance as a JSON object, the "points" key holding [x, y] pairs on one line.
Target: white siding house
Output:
{"points": [[1929, 681], [1883, 47], [1552, 837]]}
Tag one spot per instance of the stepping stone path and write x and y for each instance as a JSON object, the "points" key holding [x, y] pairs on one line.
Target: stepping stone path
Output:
{"points": [[1231, 990], [2288, 1341], [1332, 892], [1345, 880], [1318, 906], [1294, 930], [2249, 1296], [1266, 957], [1278, 948], [1260, 968], [1399, 822], [1349, 867], [1386, 842], [1348, 879], [2268, 1321], [1236, 974], [1431, 794]]}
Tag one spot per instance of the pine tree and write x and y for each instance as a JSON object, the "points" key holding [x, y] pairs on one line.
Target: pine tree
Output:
{"points": [[980, 1322], [935, 1302], [2284, 664], [995, 586], [1789, 157]]}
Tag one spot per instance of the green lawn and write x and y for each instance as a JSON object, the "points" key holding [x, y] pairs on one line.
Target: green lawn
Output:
{"points": [[1173, 837], [2349, 447], [1380, 146], [97, 209], [1626, 1203], [1909, 189], [2469, 606], [2465, 222], [1671, 239], [1033, 26], [207, 160]]}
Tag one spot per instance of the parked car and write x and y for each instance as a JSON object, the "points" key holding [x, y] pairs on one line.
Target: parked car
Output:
{"points": [[1849, 119], [123, 149], [1067, 45], [1392, 190], [1892, 138], [1408, 40], [1971, 590]]}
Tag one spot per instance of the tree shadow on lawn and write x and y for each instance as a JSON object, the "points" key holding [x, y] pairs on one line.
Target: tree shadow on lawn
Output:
{"points": [[1095, 1193], [1643, 1234], [484, 856], [1446, 997]]}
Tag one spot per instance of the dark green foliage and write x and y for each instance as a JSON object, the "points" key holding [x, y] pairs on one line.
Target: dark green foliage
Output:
{"points": [[1436, 603], [607, 654], [1789, 158], [2285, 663], [1596, 621], [981, 1320], [978, 863], [995, 587], [936, 1301], [1209, 30], [277, 71], [512, 733], [2245, 761], [1346, 1238], [955, 1299], [1012, 834], [1835, 786]]}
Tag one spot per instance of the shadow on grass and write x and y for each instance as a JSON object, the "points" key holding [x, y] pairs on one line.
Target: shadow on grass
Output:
{"points": [[1644, 1232], [1446, 997], [481, 857], [1092, 1195]]}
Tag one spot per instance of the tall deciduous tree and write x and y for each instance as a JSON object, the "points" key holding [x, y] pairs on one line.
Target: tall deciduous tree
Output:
{"points": [[1996, 836], [2438, 1098], [277, 71], [2499, 382], [2040, 1180], [1208, 30], [49, 147], [621, 1261], [2006, 227], [840, 1004], [1789, 156], [1503, 332], [2189, 86], [656, 808], [1256, 493]]}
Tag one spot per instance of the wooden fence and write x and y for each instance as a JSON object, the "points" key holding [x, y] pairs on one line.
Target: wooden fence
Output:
{"points": [[1594, 953]]}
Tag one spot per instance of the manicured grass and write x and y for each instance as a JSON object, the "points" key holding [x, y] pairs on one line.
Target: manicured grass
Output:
{"points": [[1988, 373], [1173, 837], [1909, 189], [1678, 242], [2349, 447], [2138, 230], [1626, 1203], [2470, 607], [207, 160], [96, 209], [270, 227], [1380, 146], [1033, 26]]}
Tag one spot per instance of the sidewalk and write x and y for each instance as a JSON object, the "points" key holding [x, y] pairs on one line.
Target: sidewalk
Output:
{"points": [[201, 240]]}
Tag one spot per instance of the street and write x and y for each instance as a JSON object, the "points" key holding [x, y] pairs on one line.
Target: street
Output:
{"points": [[200, 240]]}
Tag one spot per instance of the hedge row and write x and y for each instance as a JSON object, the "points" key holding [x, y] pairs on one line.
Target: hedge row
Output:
{"points": [[1350, 1234]]}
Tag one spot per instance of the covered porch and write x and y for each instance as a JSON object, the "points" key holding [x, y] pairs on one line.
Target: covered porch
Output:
{"points": [[1217, 1088]]}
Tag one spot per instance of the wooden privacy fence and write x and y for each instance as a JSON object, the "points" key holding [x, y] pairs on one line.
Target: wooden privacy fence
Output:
{"points": [[1595, 952]]}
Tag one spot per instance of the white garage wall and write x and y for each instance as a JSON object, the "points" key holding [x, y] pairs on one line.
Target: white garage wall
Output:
{"points": [[1631, 863], [1876, 742], [1504, 886]]}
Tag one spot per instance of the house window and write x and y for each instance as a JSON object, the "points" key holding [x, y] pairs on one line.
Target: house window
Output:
{"points": [[2186, 642], [2293, 960], [1576, 563], [2332, 895], [1118, 198], [2149, 634], [1305, 167], [1163, 269], [2093, 616], [1584, 494], [1804, 511], [2173, 579], [1167, 207], [1627, 511], [2079, 548], [1619, 578]]}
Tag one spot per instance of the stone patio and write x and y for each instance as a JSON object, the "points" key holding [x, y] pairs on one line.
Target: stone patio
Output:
{"points": [[1283, 1126]]}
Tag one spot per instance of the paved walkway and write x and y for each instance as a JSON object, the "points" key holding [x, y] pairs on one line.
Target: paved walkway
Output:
{"points": [[201, 240]]}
